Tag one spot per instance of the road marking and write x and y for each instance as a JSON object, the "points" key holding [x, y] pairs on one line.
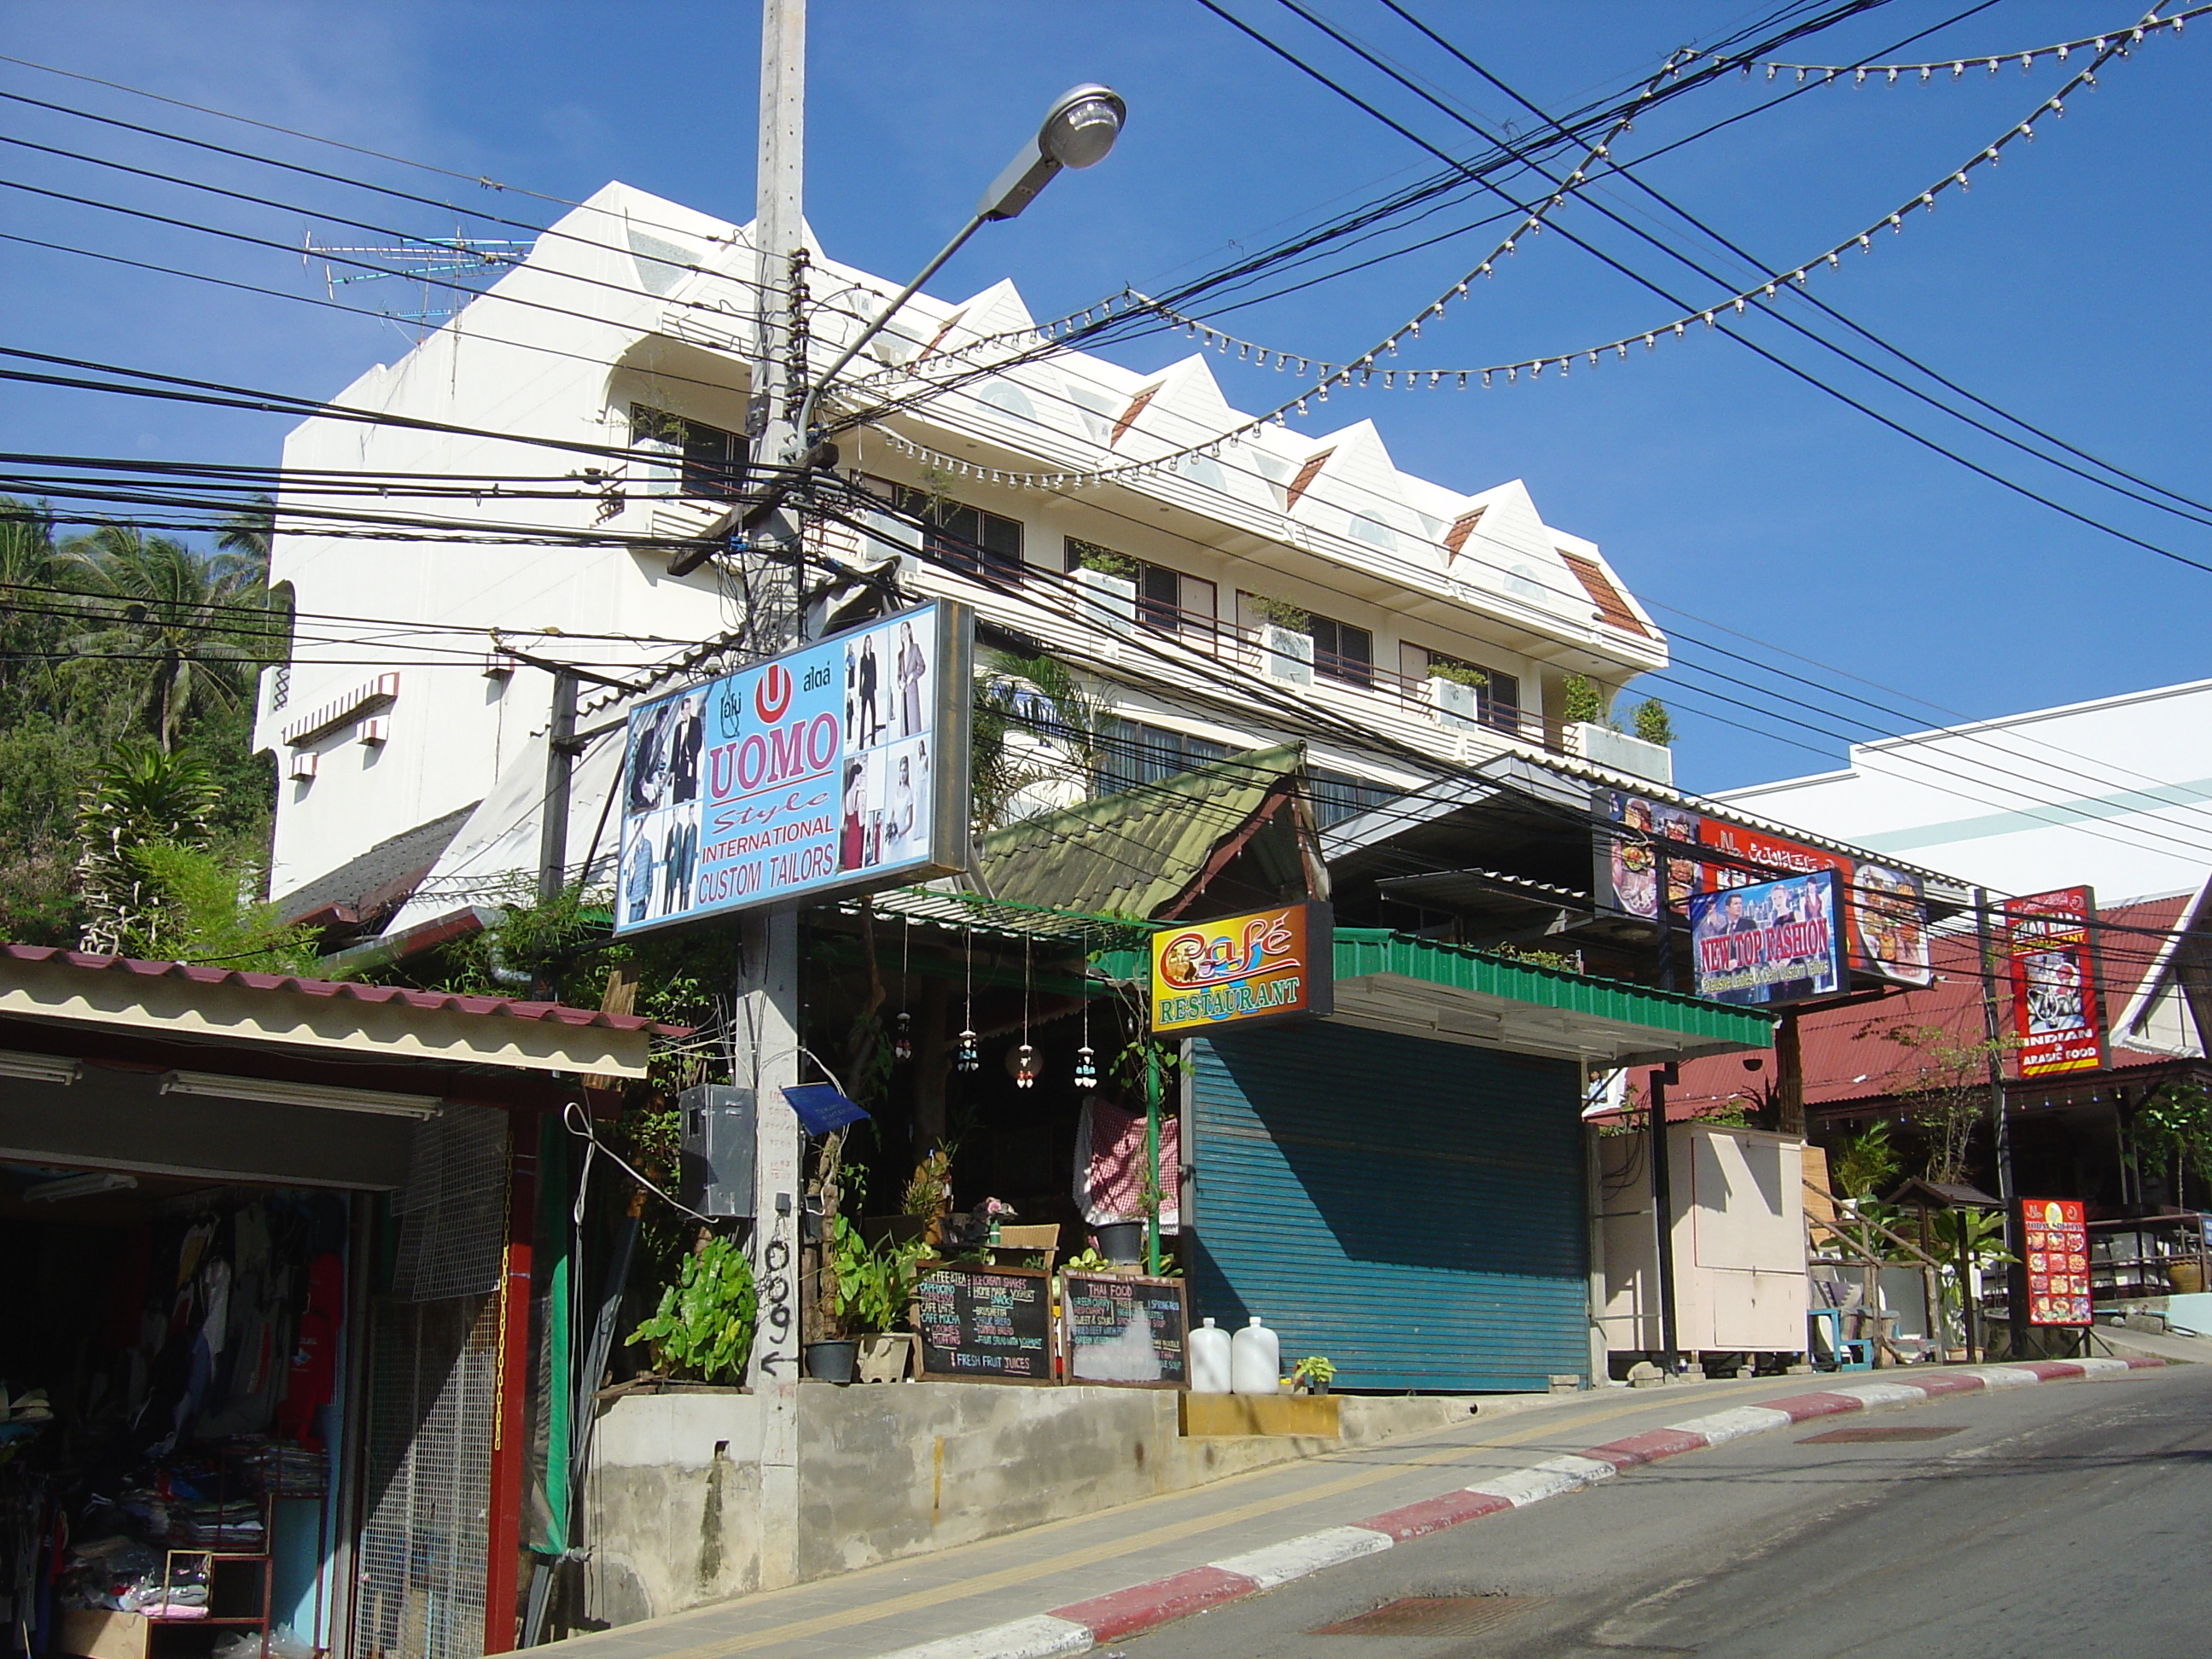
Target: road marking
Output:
{"points": [[1549, 1478], [1042, 1637], [1278, 1564]]}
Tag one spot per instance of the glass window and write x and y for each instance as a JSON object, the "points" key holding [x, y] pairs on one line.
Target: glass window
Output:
{"points": [[1343, 651], [1132, 754], [1336, 797], [964, 537], [712, 463], [1496, 700]]}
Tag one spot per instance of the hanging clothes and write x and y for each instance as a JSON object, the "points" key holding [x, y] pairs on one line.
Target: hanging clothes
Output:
{"points": [[1109, 1165], [314, 1356]]}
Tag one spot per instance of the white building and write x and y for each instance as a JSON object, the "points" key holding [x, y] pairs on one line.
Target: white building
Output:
{"points": [[2116, 793], [628, 328]]}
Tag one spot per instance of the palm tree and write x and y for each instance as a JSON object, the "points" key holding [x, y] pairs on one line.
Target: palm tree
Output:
{"points": [[246, 535], [186, 630]]}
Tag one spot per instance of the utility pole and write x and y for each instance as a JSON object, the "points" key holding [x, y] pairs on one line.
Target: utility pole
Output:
{"points": [[2001, 1128], [560, 759], [765, 1049]]}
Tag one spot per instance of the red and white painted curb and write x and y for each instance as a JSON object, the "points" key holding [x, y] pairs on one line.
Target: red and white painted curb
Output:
{"points": [[1125, 1612]]}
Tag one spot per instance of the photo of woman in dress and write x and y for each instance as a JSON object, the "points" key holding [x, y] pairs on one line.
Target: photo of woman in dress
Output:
{"points": [[909, 668]]}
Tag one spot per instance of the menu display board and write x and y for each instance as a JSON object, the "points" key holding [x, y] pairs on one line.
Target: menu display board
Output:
{"points": [[2055, 1245], [1122, 1329], [984, 1324]]}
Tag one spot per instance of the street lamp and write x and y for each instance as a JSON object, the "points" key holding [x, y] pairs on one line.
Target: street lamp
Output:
{"points": [[1076, 131]]}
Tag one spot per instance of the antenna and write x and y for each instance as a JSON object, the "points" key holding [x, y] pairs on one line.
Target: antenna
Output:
{"points": [[431, 265]]}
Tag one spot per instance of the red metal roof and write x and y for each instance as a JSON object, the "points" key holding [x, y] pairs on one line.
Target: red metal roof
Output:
{"points": [[1846, 1056], [429, 1001]]}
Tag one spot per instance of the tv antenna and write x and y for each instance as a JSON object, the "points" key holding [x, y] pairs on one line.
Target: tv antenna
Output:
{"points": [[442, 274]]}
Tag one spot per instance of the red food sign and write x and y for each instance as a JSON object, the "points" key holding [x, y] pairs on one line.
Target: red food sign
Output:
{"points": [[2055, 1245], [2056, 1015]]}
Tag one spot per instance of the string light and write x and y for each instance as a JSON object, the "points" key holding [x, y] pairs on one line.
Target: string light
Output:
{"points": [[1365, 368], [2058, 53]]}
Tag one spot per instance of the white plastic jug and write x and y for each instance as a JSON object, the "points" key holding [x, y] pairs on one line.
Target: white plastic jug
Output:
{"points": [[1255, 1363], [1209, 1359]]}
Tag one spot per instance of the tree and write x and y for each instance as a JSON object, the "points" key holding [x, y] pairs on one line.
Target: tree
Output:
{"points": [[1860, 1164], [1039, 699], [186, 630], [246, 534], [1581, 703], [1945, 1091], [143, 795], [1652, 724]]}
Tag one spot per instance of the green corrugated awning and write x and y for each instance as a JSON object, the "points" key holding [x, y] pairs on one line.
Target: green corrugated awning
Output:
{"points": [[1395, 981]]}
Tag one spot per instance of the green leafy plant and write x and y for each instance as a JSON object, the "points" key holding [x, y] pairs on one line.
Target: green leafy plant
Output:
{"points": [[1653, 724], [1459, 673], [1315, 1370], [1281, 612], [1860, 1163], [1581, 703], [929, 1190], [1085, 1260], [870, 1285], [1089, 556], [2173, 1128], [703, 1329]]}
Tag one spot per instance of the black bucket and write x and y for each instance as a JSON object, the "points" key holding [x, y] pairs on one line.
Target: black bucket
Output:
{"points": [[1121, 1242], [832, 1362]]}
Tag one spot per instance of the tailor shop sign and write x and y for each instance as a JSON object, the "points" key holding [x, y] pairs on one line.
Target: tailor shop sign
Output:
{"points": [[826, 771], [1243, 970]]}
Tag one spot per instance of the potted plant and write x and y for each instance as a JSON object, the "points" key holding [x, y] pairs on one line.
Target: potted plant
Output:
{"points": [[1315, 1372], [703, 1327], [868, 1290]]}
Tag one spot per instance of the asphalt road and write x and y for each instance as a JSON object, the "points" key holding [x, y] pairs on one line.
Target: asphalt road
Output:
{"points": [[2069, 1519]]}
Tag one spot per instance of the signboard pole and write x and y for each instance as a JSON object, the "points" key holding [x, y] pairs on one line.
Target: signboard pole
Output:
{"points": [[1152, 1156], [2001, 1131]]}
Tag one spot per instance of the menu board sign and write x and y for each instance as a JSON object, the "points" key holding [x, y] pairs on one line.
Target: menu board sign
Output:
{"points": [[984, 1324], [2054, 982], [1118, 1328], [2055, 1245]]}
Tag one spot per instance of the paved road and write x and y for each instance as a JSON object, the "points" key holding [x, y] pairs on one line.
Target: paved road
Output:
{"points": [[2065, 1519]]}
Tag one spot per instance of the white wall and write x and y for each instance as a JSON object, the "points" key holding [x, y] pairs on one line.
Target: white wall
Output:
{"points": [[2116, 792]]}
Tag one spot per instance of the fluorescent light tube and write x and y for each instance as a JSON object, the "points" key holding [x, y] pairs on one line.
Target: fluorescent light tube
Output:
{"points": [[277, 1092], [40, 1068], [81, 1186]]}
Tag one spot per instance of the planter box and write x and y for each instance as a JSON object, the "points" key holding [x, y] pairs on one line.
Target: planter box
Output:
{"points": [[1618, 752], [1452, 704], [890, 1358], [1107, 597], [1286, 655]]}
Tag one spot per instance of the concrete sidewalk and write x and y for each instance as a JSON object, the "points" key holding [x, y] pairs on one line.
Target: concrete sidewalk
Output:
{"points": [[1130, 1568]]}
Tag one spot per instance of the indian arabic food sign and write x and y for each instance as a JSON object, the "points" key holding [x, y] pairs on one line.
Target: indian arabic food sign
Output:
{"points": [[835, 768], [2055, 1014], [1244, 970]]}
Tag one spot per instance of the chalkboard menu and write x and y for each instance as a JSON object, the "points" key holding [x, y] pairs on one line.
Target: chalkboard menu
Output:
{"points": [[984, 1324], [1126, 1330]]}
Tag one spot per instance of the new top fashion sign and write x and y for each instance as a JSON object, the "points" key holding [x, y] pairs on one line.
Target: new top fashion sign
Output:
{"points": [[836, 768]]}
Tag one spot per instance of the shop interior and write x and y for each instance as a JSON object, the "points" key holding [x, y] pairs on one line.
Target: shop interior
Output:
{"points": [[170, 1415]]}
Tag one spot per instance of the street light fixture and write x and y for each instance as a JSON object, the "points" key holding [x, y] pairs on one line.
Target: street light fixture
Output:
{"points": [[1076, 131]]}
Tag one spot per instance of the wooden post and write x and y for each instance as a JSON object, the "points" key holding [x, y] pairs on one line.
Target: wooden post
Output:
{"points": [[1788, 1078]]}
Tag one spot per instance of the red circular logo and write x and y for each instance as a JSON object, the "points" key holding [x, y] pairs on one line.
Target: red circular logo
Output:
{"points": [[772, 695]]}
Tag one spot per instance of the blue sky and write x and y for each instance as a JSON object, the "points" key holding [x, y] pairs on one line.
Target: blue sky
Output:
{"points": [[2066, 287]]}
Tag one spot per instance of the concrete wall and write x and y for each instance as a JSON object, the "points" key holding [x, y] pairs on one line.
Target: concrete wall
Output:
{"points": [[672, 1499]]}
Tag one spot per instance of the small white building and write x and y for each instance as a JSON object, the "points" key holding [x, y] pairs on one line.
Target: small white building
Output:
{"points": [[2115, 793], [628, 330]]}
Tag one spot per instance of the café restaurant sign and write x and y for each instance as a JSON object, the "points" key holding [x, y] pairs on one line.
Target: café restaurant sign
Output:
{"points": [[1243, 970]]}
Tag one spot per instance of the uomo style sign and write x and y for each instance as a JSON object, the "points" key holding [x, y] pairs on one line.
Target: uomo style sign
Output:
{"points": [[837, 767], [1243, 970]]}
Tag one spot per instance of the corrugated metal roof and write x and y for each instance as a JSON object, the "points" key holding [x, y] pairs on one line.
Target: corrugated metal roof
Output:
{"points": [[1361, 951], [1846, 1056], [1130, 853], [428, 1001]]}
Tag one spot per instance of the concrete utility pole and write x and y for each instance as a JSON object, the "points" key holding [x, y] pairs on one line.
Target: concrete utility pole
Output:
{"points": [[766, 1044]]}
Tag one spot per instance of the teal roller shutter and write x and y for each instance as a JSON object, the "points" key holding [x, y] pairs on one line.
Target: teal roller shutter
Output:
{"points": [[1412, 1209]]}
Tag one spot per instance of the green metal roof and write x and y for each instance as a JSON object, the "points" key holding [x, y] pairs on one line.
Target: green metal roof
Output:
{"points": [[1127, 854], [1393, 978]]}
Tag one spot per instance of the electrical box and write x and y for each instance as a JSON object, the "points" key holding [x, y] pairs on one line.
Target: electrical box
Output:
{"points": [[715, 1172]]}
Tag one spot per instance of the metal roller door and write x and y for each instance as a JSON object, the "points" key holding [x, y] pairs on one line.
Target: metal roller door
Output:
{"points": [[1412, 1209]]}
